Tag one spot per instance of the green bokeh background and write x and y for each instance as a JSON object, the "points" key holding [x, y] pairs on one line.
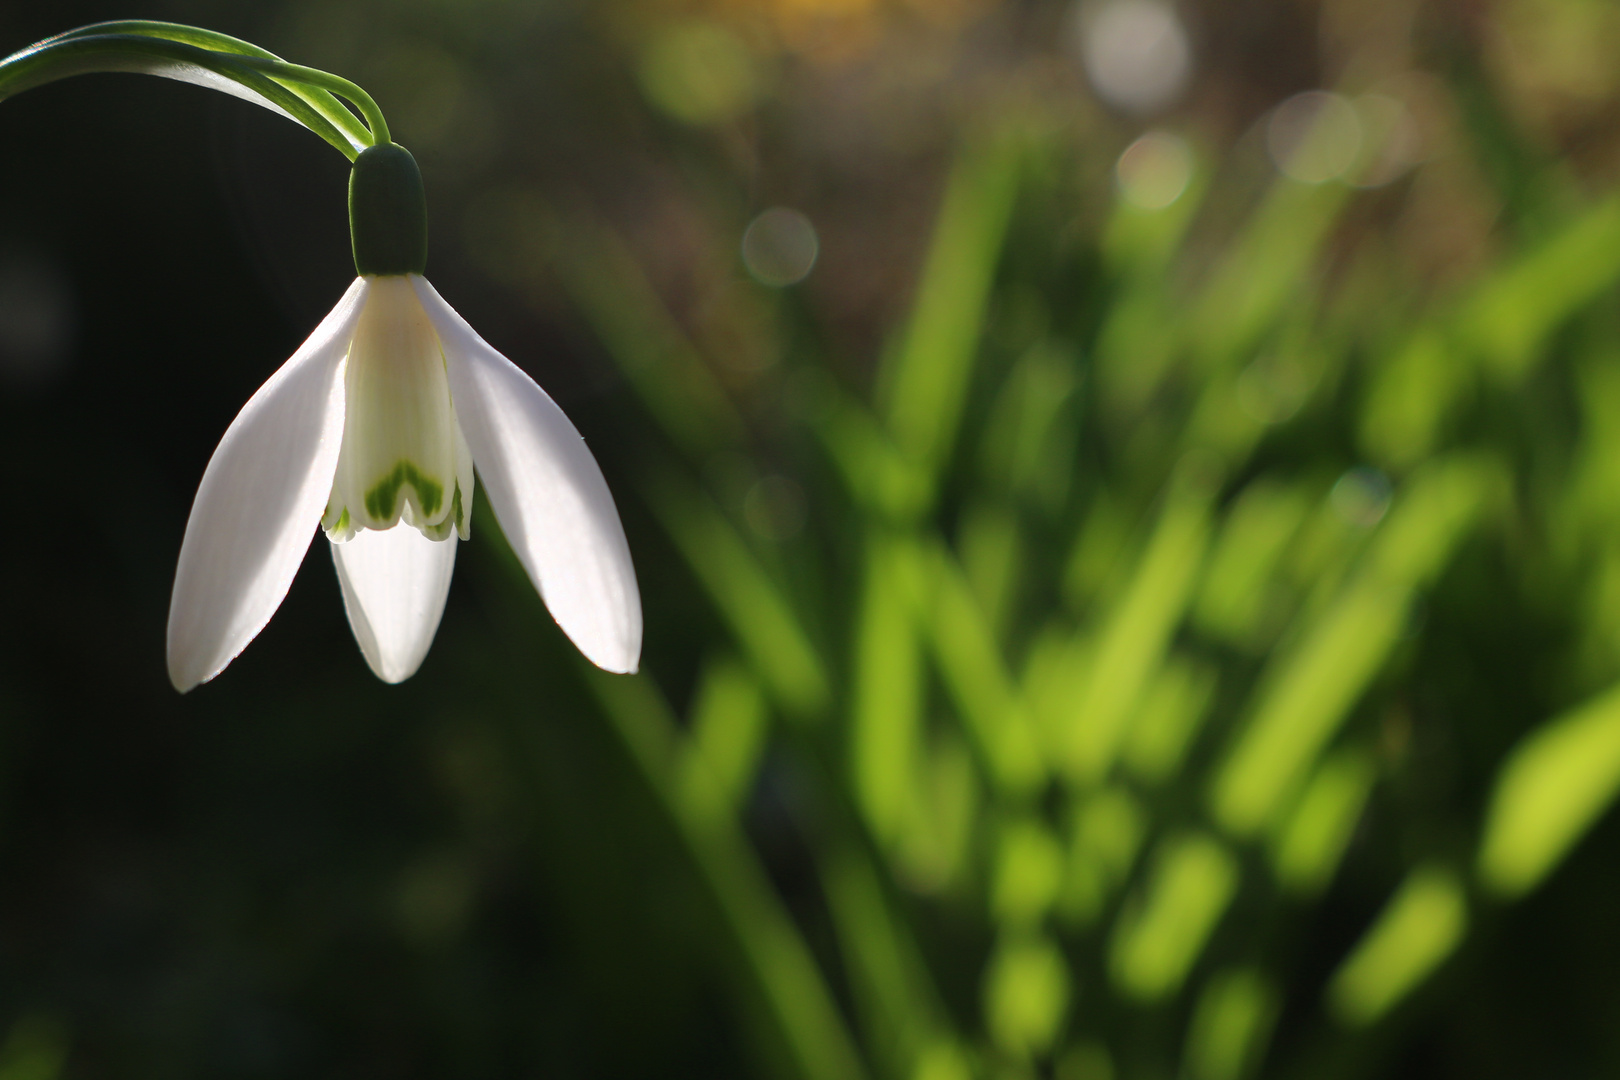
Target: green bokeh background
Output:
{"points": [[1084, 640]]}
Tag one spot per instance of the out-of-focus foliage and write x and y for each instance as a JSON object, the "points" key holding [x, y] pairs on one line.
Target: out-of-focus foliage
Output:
{"points": [[1126, 499]]}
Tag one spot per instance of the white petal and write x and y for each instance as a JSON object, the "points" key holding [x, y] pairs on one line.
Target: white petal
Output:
{"points": [[259, 502], [399, 431], [546, 490], [394, 585]]}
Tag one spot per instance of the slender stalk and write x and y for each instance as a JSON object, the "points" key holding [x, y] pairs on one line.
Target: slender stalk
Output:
{"points": [[307, 95], [282, 71], [322, 100]]}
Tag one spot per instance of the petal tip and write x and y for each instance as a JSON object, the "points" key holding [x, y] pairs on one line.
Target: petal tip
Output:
{"points": [[619, 658]]}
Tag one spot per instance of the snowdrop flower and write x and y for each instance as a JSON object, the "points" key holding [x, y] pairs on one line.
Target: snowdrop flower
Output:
{"points": [[373, 430]]}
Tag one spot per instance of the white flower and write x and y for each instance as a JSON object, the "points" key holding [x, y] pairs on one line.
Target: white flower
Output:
{"points": [[373, 428]]}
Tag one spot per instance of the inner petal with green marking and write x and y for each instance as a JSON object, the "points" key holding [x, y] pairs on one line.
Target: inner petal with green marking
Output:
{"points": [[403, 456]]}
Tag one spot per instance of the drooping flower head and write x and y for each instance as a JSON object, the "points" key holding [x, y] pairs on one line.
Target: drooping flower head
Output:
{"points": [[377, 426], [373, 430]]}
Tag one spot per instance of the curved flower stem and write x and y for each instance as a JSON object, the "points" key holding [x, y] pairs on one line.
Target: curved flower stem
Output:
{"points": [[284, 72], [322, 101], [307, 95]]}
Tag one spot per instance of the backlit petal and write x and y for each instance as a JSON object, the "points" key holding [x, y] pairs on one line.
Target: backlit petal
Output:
{"points": [[259, 502], [394, 586], [547, 492], [399, 432]]}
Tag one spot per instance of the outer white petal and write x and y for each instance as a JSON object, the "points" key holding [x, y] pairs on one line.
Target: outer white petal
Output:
{"points": [[394, 586], [546, 490], [259, 502]]}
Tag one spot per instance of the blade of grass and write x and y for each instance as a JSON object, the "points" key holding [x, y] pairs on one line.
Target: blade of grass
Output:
{"points": [[728, 728], [971, 666], [764, 623], [925, 375], [784, 974], [643, 338], [1420, 927], [1137, 632], [886, 698], [1160, 932], [1308, 691], [1549, 791]]}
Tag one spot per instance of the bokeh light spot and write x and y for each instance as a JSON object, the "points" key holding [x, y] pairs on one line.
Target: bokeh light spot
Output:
{"points": [[1154, 170], [1135, 53], [1314, 137], [1391, 142], [779, 247], [775, 508], [700, 72], [1361, 496]]}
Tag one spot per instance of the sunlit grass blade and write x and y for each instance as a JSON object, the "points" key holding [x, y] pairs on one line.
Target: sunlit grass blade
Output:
{"points": [[1312, 840], [973, 671], [1133, 640], [1549, 791], [1162, 929], [644, 340], [1107, 828], [1239, 595], [907, 1026], [1410, 397], [1230, 1026], [1029, 438], [728, 728], [1028, 873], [1307, 698], [1308, 691], [1512, 314], [1167, 720], [1238, 404], [1026, 994], [1138, 242], [1420, 927], [1102, 550], [1263, 271], [778, 967], [879, 476], [942, 818], [886, 692], [1430, 514], [1057, 666], [925, 377], [992, 552], [1590, 508], [764, 623], [1136, 347]]}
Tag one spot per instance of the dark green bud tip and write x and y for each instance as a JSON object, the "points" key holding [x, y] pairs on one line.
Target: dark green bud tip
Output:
{"points": [[387, 212]]}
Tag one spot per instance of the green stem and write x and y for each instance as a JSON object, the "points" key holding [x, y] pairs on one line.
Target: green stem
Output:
{"points": [[282, 71], [321, 100], [308, 95]]}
